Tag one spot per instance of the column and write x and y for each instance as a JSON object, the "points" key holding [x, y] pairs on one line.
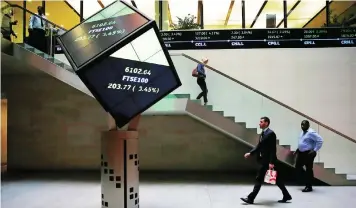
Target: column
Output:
{"points": [[165, 16], [120, 169]]}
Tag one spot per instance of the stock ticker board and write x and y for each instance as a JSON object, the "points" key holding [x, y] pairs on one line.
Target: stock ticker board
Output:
{"points": [[256, 38], [260, 38]]}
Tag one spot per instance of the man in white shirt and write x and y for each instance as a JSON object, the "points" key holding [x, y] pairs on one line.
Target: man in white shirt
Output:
{"points": [[36, 29], [309, 144]]}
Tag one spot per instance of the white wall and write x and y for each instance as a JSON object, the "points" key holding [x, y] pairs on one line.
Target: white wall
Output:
{"points": [[316, 82], [319, 82]]}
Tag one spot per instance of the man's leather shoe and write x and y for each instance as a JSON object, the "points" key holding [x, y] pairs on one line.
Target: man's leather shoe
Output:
{"points": [[285, 199], [247, 200], [307, 189]]}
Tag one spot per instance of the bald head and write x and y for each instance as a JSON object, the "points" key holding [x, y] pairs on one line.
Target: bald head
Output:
{"points": [[305, 125]]}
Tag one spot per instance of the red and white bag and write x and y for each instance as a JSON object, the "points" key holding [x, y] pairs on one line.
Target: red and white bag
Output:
{"points": [[271, 176]]}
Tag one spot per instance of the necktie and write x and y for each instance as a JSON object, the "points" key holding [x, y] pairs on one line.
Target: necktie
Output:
{"points": [[261, 136]]}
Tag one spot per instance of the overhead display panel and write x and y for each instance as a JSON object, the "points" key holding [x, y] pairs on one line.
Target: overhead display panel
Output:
{"points": [[127, 72], [100, 31]]}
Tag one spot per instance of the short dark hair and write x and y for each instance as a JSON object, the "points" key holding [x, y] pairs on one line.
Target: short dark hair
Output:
{"points": [[305, 122], [266, 119]]}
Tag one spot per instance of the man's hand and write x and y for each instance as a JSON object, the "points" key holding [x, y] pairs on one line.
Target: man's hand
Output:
{"points": [[271, 166], [247, 155], [15, 22]]}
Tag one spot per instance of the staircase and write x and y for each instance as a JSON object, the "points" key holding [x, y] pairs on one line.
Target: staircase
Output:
{"points": [[47, 64], [246, 105], [182, 104]]}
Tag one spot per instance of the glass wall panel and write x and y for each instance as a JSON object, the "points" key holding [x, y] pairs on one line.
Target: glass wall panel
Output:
{"points": [[181, 9], [342, 13], [107, 2], [301, 13], [75, 4], [18, 28], [305, 11], [235, 20], [55, 11], [273, 11], [147, 7], [90, 8], [215, 13], [32, 7], [290, 5], [251, 10], [317, 21]]}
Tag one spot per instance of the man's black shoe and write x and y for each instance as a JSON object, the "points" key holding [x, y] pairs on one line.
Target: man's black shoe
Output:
{"points": [[247, 200], [285, 199]]}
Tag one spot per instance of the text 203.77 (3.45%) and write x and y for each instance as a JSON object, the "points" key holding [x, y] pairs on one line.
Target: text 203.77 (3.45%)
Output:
{"points": [[133, 88]]}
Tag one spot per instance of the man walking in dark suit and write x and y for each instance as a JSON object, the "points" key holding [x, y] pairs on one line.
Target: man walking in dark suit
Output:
{"points": [[267, 157]]}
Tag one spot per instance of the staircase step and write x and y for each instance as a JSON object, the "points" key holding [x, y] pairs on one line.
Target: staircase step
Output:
{"points": [[210, 107], [26, 46], [285, 146], [230, 118], [196, 101], [182, 95], [242, 124], [51, 59], [41, 54], [318, 163], [351, 177], [252, 130], [30, 49], [220, 112]]}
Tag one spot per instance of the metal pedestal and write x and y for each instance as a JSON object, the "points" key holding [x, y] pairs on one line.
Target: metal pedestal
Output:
{"points": [[120, 168]]}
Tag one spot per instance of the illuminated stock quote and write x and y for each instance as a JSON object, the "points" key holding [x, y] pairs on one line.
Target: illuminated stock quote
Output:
{"points": [[134, 81], [104, 29]]}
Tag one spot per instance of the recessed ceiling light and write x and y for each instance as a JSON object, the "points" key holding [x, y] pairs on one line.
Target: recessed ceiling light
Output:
{"points": [[62, 25], [47, 14]]}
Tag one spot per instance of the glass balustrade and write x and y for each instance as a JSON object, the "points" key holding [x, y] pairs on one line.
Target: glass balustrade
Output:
{"points": [[246, 105], [44, 43]]}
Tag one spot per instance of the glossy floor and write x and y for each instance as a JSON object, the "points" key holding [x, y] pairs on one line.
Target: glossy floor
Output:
{"points": [[83, 191]]}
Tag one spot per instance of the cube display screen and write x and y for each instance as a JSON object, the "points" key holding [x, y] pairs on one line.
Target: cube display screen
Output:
{"points": [[127, 80]]}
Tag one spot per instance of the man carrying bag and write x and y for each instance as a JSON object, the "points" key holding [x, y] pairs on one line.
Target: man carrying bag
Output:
{"points": [[266, 153]]}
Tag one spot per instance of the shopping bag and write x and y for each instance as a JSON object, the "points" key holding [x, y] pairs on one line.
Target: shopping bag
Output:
{"points": [[271, 176], [195, 72]]}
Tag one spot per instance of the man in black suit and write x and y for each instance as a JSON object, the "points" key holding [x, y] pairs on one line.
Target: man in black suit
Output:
{"points": [[267, 157]]}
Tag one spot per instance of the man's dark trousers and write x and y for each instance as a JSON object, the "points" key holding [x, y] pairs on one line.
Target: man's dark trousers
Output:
{"points": [[260, 179], [306, 159]]}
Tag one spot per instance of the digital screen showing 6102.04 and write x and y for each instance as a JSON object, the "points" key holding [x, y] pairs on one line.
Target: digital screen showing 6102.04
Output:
{"points": [[134, 82], [130, 86]]}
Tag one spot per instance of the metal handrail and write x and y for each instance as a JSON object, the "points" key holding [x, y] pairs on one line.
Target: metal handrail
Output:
{"points": [[270, 98], [20, 7]]}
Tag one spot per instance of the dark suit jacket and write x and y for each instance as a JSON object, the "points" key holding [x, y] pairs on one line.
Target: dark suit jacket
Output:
{"points": [[266, 149]]}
